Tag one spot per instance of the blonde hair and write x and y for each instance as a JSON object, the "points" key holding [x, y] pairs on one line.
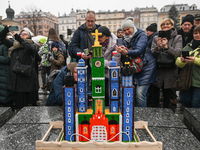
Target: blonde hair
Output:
{"points": [[71, 66], [165, 20]]}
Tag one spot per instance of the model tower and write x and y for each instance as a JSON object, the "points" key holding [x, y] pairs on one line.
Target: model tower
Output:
{"points": [[114, 85], [82, 85], [127, 100]]}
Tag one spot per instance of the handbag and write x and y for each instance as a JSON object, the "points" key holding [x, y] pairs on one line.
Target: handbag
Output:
{"points": [[165, 60], [21, 69], [184, 80], [137, 63]]}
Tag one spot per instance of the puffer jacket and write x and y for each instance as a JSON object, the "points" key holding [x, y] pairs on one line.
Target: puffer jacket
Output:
{"points": [[136, 48], [5, 95], [79, 41], [57, 61]]}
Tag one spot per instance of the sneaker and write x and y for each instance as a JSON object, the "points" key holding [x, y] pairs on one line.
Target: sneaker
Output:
{"points": [[44, 86]]}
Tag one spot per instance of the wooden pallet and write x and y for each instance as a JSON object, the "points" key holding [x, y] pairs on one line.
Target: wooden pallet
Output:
{"points": [[92, 145]]}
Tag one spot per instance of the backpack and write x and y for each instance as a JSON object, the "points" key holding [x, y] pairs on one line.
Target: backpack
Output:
{"points": [[62, 47]]}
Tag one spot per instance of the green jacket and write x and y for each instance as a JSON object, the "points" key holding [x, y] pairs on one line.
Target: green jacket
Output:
{"points": [[196, 67], [5, 95]]}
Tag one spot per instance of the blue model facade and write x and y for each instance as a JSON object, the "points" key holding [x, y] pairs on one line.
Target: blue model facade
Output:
{"points": [[69, 103], [113, 83], [82, 86]]}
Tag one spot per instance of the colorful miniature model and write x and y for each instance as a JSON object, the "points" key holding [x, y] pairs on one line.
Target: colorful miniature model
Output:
{"points": [[98, 123]]}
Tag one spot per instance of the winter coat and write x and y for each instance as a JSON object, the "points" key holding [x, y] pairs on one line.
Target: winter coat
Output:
{"points": [[190, 36], [79, 41], [5, 95], [56, 97], [45, 54], [108, 53], [136, 48], [196, 65], [16, 82], [57, 61], [167, 76], [148, 72]]}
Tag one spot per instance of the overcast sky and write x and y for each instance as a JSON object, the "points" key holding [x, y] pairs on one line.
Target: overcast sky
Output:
{"points": [[64, 6]]}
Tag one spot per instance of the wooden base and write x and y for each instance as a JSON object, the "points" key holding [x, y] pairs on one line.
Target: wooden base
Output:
{"points": [[92, 145]]}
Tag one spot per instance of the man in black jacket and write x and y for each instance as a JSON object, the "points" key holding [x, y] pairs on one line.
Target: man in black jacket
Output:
{"points": [[186, 30]]}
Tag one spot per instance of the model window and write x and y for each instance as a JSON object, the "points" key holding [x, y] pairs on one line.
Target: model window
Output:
{"points": [[127, 128], [69, 120], [69, 102], [98, 89], [128, 94], [127, 109], [127, 120], [82, 108], [69, 114], [68, 94], [69, 132], [114, 74], [114, 93], [81, 90], [69, 127], [128, 102], [114, 108], [69, 109]]}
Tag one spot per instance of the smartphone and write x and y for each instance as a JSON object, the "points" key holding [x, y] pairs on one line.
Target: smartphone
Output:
{"points": [[119, 42], [185, 54], [164, 34], [14, 28]]}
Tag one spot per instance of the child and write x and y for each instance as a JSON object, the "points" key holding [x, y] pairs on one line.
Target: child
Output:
{"points": [[57, 58], [45, 63]]}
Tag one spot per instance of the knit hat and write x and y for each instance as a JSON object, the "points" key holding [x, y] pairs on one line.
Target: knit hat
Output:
{"points": [[119, 30], [54, 44], [28, 31], [128, 22], [197, 17], [1, 28], [188, 18], [43, 40], [104, 30], [152, 27]]}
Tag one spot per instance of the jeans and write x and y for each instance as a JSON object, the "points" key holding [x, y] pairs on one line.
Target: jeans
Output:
{"points": [[191, 97], [141, 95], [45, 71]]}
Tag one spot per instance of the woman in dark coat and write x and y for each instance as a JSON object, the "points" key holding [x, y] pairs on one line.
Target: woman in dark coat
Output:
{"points": [[166, 75], [6, 96], [23, 48]]}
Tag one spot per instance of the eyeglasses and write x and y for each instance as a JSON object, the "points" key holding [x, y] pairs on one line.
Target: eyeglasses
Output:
{"points": [[166, 24], [23, 33], [92, 21]]}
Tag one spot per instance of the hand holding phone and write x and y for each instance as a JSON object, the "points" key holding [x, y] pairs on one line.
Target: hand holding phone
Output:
{"points": [[185, 54], [119, 42], [13, 28]]}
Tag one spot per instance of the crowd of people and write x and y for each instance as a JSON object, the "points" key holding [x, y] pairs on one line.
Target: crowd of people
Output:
{"points": [[160, 52]]}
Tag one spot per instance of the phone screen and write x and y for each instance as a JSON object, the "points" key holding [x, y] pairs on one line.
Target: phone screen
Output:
{"points": [[14, 28], [185, 54], [119, 42]]}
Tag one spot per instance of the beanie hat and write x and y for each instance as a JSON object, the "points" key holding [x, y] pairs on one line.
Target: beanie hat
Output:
{"points": [[43, 40], [197, 16], [54, 44], [28, 31], [188, 18], [152, 27], [119, 30], [1, 28], [104, 30], [128, 22]]}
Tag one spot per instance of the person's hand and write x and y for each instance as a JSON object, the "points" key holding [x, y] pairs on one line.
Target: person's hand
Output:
{"points": [[189, 59], [13, 33], [84, 56], [164, 43], [122, 50], [182, 59], [159, 43]]}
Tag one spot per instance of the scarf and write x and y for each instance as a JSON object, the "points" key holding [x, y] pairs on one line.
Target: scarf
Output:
{"points": [[195, 44], [129, 37], [105, 45]]}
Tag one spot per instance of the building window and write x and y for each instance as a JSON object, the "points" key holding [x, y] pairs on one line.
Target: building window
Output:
{"points": [[69, 127], [69, 114], [69, 132], [82, 99], [24, 21], [127, 120], [81, 89], [40, 26], [104, 22], [69, 109], [114, 93], [69, 120], [63, 28], [79, 23], [68, 94], [128, 102], [69, 102], [127, 109], [109, 22], [98, 89], [128, 94], [82, 109], [114, 74]]}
